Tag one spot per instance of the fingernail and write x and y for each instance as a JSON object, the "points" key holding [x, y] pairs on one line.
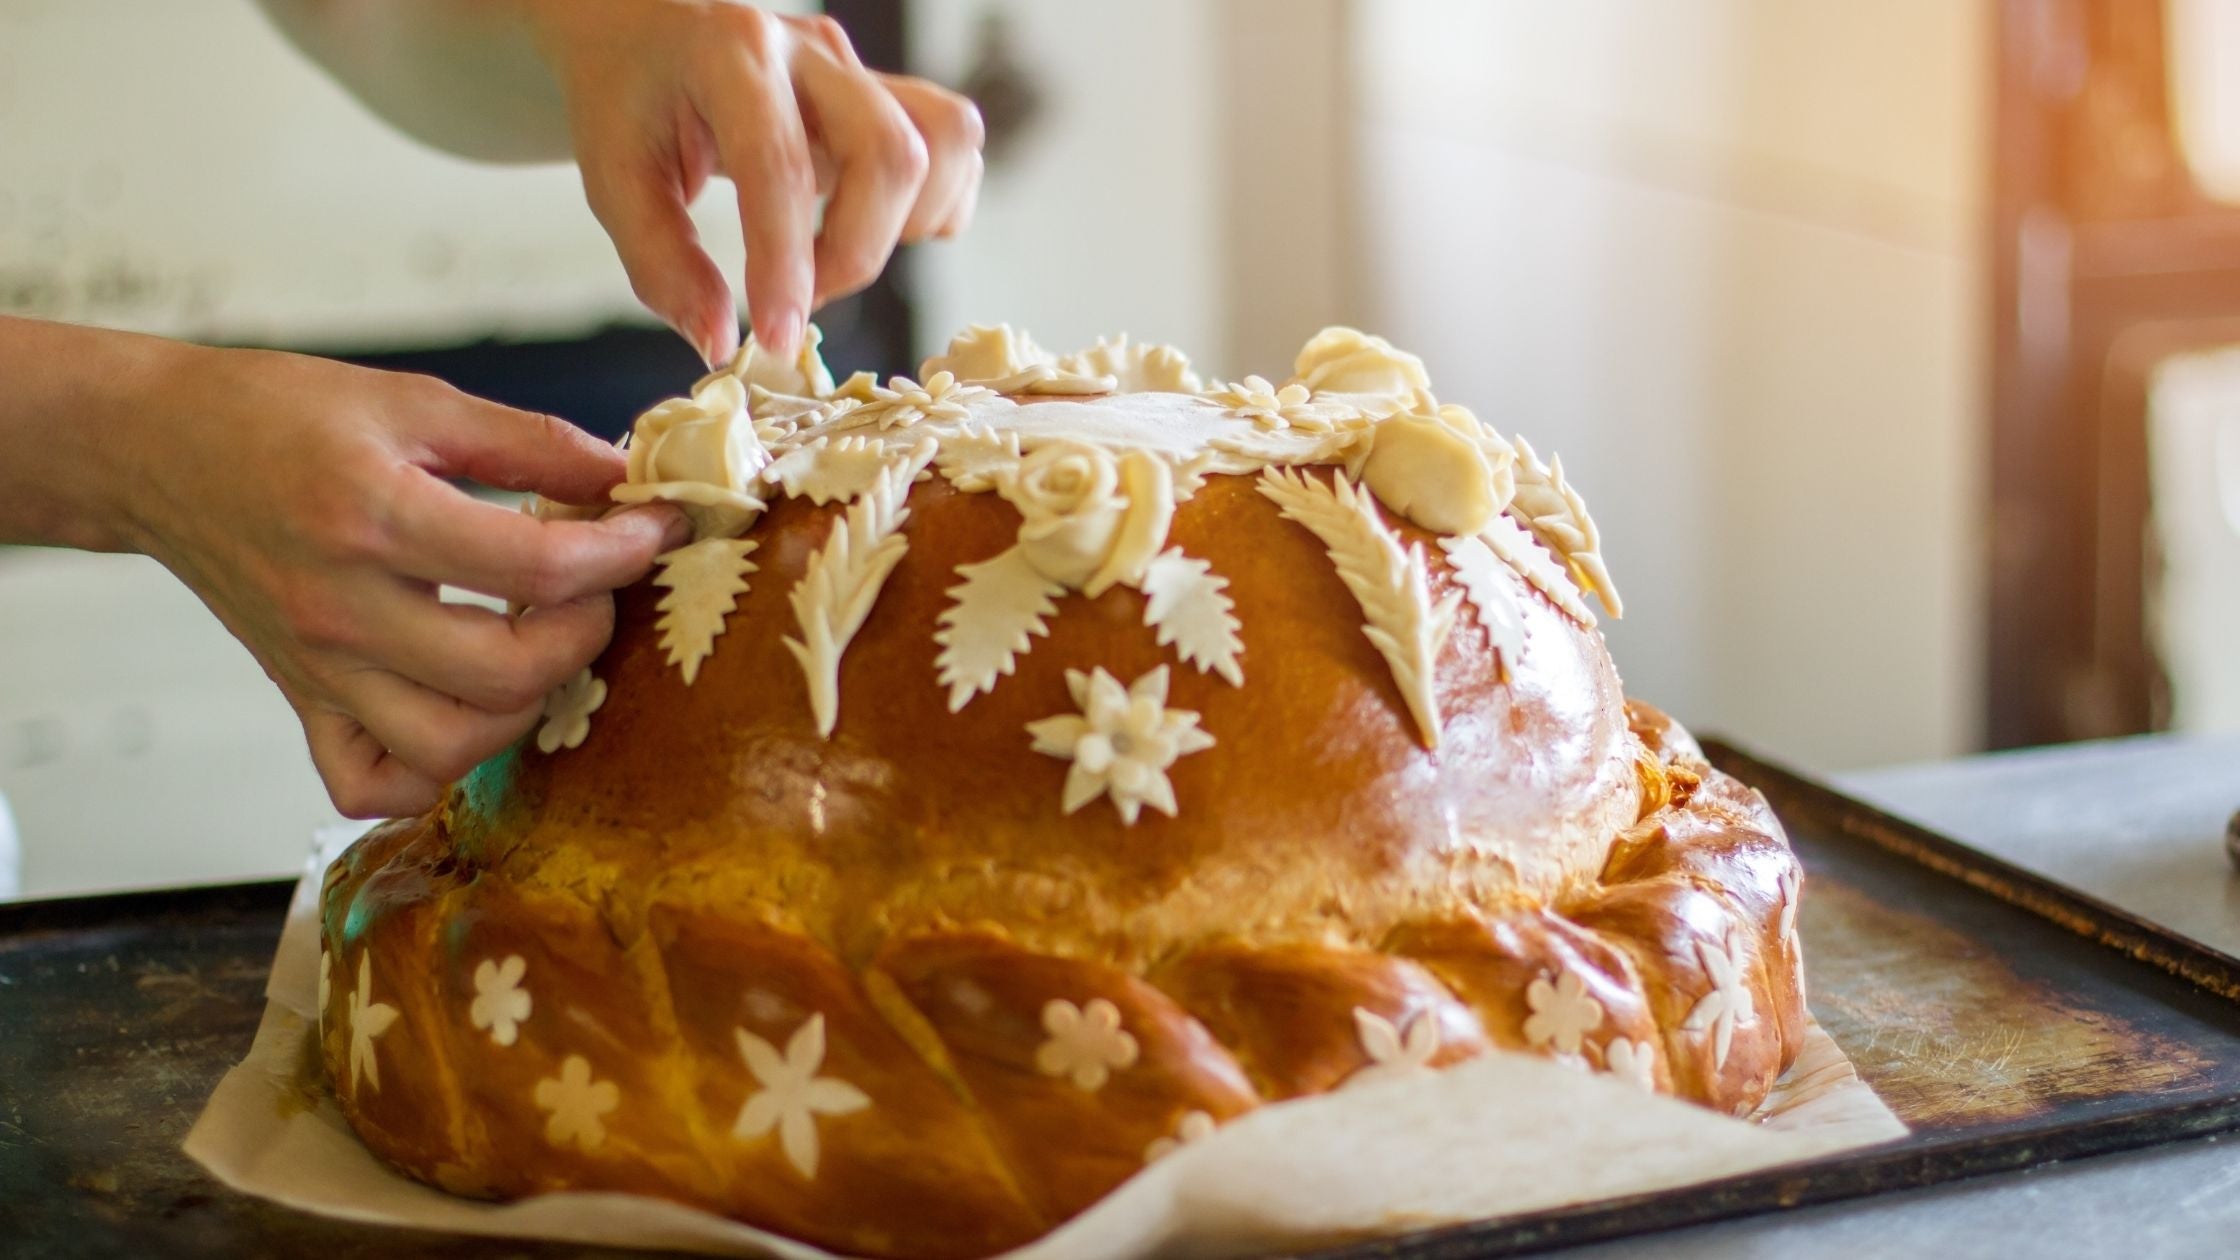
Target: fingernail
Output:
{"points": [[676, 530], [780, 333], [720, 344]]}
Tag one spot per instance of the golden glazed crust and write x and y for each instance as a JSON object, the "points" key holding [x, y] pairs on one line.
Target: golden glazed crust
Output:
{"points": [[1316, 788], [983, 1015]]}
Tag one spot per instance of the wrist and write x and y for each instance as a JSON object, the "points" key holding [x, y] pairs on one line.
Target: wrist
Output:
{"points": [[80, 405], [141, 408]]}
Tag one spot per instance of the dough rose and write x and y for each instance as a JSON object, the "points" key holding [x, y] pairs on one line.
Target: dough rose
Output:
{"points": [[706, 438], [700, 452], [1148, 483], [1091, 520], [1348, 361]]}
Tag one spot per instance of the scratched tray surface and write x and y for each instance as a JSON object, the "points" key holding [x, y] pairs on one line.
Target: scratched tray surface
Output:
{"points": [[2003, 1039]]}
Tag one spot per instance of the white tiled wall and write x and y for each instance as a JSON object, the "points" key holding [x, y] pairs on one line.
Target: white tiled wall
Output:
{"points": [[1723, 256]]}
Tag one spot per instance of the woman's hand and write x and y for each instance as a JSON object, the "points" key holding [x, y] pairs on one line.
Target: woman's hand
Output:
{"points": [[653, 97], [306, 502], [663, 93]]}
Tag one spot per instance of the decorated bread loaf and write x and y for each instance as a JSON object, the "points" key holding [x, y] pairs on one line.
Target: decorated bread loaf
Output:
{"points": [[1032, 767]]}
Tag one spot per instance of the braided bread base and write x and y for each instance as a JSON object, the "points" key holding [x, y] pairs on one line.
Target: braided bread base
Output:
{"points": [[941, 1121]]}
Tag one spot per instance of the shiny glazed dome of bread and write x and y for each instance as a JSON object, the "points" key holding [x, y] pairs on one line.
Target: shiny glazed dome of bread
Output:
{"points": [[1316, 814], [1032, 767]]}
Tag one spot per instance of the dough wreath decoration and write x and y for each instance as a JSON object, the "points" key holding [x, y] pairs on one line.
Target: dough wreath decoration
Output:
{"points": [[1033, 765]]}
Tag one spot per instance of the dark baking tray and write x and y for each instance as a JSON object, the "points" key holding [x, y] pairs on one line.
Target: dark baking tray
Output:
{"points": [[2010, 1022]]}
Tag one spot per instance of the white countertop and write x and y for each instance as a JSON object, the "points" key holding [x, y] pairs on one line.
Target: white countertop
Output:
{"points": [[2138, 823]]}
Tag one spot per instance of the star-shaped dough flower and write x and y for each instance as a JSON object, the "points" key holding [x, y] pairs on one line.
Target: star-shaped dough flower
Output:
{"points": [[1562, 1013], [576, 1102], [1289, 407], [1394, 1055], [568, 710], [1194, 1126], [1727, 1004], [1121, 743], [1632, 1061], [500, 1003], [904, 402], [368, 1020], [1086, 1045], [792, 1094]]}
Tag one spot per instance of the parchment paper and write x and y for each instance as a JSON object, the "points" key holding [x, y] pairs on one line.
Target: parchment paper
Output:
{"points": [[1497, 1136]]}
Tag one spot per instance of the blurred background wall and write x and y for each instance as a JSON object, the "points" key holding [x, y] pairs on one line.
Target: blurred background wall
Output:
{"points": [[1725, 257], [1734, 260], [176, 167]]}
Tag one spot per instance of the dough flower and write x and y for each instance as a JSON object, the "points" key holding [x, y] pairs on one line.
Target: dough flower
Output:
{"points": [[568, 710], [1121, 743], [1728, 1003], [500, 1003], [1395, 1053], [1272, 407], [577, 1101], [1563, 1013], [1090, 520], [706, 438], [941, 400], [1086, 1045], [1632, 1061], [702, 453], [793, 1094], [368, 1020]]}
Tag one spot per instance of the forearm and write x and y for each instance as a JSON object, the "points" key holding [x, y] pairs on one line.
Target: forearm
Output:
{"points": [[71, 399], [460, 75]]}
